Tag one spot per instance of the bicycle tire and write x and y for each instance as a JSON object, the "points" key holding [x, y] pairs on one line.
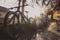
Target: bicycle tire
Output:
{"points": [[7, 26]]}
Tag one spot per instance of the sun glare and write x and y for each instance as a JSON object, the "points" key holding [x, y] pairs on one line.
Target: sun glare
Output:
{"points": [[33, 11]]}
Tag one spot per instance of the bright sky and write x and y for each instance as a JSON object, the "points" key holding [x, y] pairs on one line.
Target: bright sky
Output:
{"points": [[8, 3], [33, 11]]}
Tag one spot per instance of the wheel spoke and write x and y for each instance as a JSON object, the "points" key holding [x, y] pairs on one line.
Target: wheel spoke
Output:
{"points": [[10, 19], [13, 20]]}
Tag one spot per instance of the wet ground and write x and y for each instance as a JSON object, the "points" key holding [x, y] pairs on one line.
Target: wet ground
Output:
{"points": [[30, 35]]}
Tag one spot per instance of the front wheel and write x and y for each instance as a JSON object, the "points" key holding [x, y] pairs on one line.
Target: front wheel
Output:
{"points": [[11, 24]]}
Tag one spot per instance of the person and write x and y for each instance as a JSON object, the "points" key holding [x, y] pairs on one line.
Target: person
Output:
{"points": [[54, 25]]}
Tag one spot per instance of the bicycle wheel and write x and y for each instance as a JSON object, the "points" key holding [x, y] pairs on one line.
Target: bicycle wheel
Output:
{"points": [[11, 24]]}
